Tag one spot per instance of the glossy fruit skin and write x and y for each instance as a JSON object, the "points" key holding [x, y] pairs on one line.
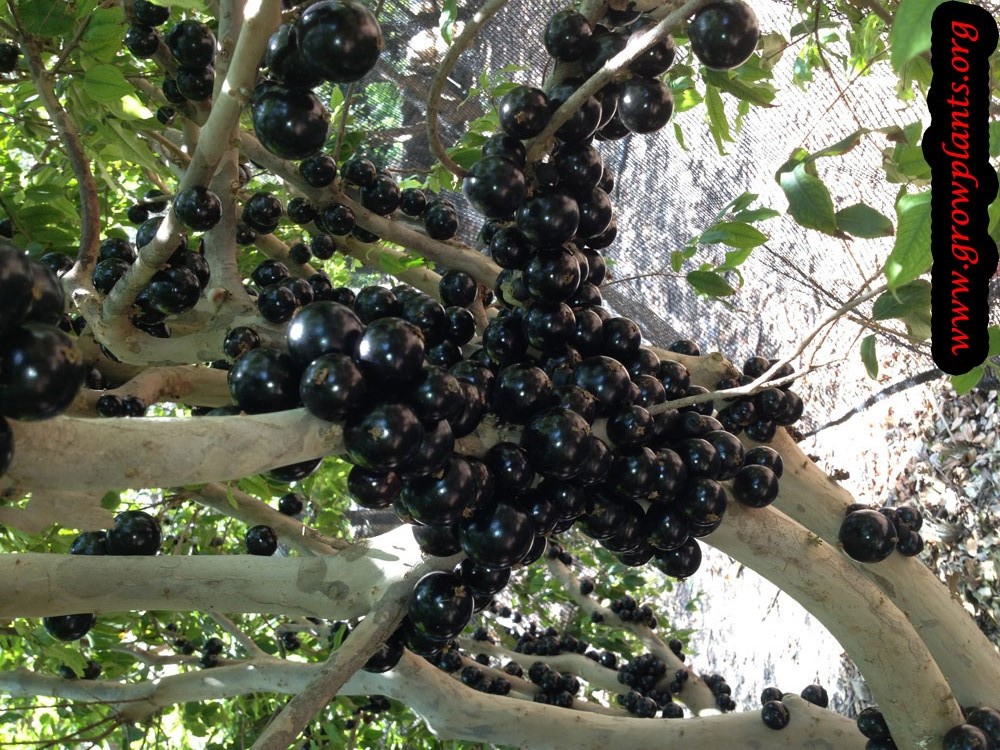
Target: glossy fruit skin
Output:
{"points": [[966, 737], [290, 123], [524, 112], [340, 39], [871, 723], [387, 655], [90, 543], [269, 272], [135, 533], [322, 328], [987, 719], [442, 498], [300, 210], [196, 84], [440, 220], [384, 438], [382, 197], [607, 379], [319, 170], [655, 61], [584, 122], [149, 14], [679, 563], [373, 489], [48, 299], [390, 350], [723, 35], [16, 284], [262, 212], [291, 503], [174, 290], [332, 387], [816, 694], [286, 63], [775, 715], [867, 536], [293, 472], [412, 201], [264, 380], [497, 536], [764, 455], [556, 442], [198, 208], [69, 627], [566, 35], [645, 105], [142, 41], [441, 605], [277, 303], [261, 540], [495, 186], [192, 44], [41, 371]]}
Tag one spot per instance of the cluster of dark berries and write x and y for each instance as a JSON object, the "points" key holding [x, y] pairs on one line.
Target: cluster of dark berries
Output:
{"points": [[677, 648], [211, 653], [871, 723], [41, 367], [91, 671], [555, 688], [870, 535], [475, 678], [135, 532], [981, 731], [113, 405], [630, 611], [174, 289], [720, 689], [10, 53], [760, 415], [288, 118], [549, 643]]}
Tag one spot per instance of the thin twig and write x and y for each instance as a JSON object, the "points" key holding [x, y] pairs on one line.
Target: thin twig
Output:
{"points": [[249, 645], [462, 42]]}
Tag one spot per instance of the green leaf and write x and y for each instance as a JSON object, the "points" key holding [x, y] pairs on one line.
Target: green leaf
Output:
{"points": [[910, 34], [105, 83], [994, 341], [752, 215], [842, 146], [735, 258], [864, 221], [965, 383], [679, 135], [911, 253], [995, 138], [762, 94], [718, 125], [911, 304], [46, 18], [809, 201], [710, 283], [449, 14], [869, 357], [735, 234], [904, 300]]}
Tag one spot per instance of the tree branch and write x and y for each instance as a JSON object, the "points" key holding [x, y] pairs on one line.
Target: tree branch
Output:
{"points": [[341, 587], [612, 68], [695, 694], [462, 42], [253, 512], [191, 384], [90, 207], [910, 689], [454, 711], [374, 630], [214, 141]]}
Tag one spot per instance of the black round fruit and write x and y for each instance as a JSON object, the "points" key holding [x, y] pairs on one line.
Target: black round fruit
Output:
{"points": [[775, 715], [135, 533], [441, 605], [524, 112], [290, 123], [192, 44], [867, 536], [391, 350], [41, 371], [645, 104], [69, 627], [291, 503], [495, 186], [340, 39], [198, 208], [263, 380], [332, 387], [723, 35], [261, 540]]}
